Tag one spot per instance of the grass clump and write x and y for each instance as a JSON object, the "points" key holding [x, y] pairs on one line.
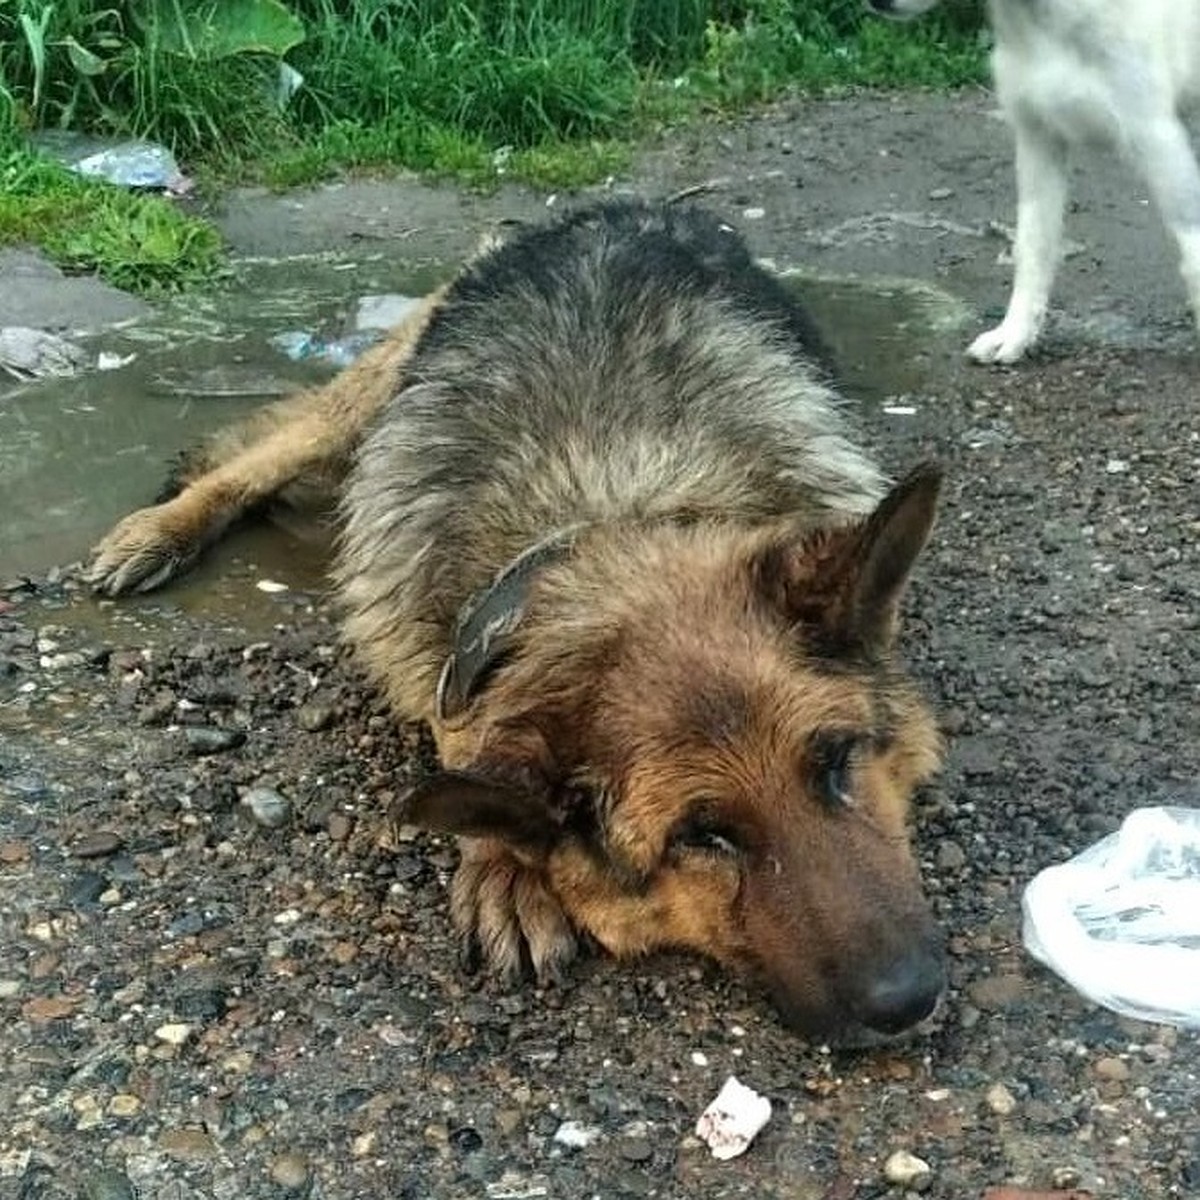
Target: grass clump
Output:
{"points": [[138, 242]]}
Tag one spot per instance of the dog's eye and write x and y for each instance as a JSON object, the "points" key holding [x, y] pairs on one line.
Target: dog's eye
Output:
{"points": [[705, 836], [832, 772]]}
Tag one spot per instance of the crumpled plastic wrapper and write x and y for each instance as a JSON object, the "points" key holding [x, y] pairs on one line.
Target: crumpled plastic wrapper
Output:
{"points": [[733, 1120]]}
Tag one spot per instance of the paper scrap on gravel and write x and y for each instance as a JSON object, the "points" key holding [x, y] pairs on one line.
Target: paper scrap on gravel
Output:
{"points": [[733, 1120]]}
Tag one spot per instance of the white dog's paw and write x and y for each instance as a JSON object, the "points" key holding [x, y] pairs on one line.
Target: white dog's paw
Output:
{"points": [[1007, 343]]}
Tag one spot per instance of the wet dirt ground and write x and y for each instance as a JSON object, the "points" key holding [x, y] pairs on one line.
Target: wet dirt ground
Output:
{"points": [[218, 977]]}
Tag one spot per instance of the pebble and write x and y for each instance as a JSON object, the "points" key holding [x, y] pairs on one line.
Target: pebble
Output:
{"points": [[97, 845], [908, 1171], [940, 193], [950, 856], [1000, 1100], [173, 1033], [14, 852], [107, 1185], [314, 716], [268, 807], [996, 991], [187, 1145], [1113, 1070], [123, 1104], [636, 1149], [290, 1171], [574, 1134], [45, 1009], [206, 739]]}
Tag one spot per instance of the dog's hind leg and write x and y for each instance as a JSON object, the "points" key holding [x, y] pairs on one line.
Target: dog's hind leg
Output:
{"points": [[1041, 202], [1162, 152], [308, 436]]}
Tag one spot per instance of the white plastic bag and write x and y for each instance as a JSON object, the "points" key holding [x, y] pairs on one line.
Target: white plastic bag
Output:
{"points": [[1121, 921]]}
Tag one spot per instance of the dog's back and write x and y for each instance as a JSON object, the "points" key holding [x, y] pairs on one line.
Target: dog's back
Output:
{"points": [[1082, 66], [631, 364]]}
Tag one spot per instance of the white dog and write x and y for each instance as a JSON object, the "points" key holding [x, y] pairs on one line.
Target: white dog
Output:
{"points": [[1069, 72]]}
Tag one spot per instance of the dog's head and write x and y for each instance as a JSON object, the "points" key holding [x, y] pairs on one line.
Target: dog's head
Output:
{"points": [[701, 735], [901, 10]]}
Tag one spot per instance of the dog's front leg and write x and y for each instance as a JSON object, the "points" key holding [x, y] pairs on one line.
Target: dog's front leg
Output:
{"points": [[1041, 201], [1162, 151]]}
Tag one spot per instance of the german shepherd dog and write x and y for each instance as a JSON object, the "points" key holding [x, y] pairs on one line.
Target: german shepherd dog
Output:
{"points": [[1070, 73], [607, 531]]}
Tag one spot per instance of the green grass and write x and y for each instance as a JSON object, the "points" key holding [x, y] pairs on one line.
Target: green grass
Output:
{"points": [[552, 92], [141, 243]]}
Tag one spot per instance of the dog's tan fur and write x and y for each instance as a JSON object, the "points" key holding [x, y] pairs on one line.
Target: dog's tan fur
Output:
{"points": [[692, 731]]}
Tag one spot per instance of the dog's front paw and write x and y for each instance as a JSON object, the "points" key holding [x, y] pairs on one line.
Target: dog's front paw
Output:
{"points": [[144, 550], [508, 916], [1007, 343]]}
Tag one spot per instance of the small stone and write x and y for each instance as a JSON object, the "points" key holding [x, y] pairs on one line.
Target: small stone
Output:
{"points": [[10, 988], [45, 1009], [268, 807], [465, 1140], [313, 716], [205, 739], [99, 844], [364, 1144], [1000, 1100], [12, 853], [187, 1145], [940, 193], [1064, 1178], [123, 1104], [290, 1171], [754, 213], [575, 1135], [950, 856], [343, 953], [107, 1185], [238, 1063], [635, 1149], [173, 1033], [508, 1121], [339, 826], [995, 992], [1113, 1070], [699, 1058], [908, 1171]]}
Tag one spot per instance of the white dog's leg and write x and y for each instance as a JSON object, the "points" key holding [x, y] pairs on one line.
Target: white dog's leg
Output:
{"points": [[1162, 151], [1041, 201]]}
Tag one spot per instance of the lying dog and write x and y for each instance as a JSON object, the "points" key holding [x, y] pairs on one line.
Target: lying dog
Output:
{"points": [[606, 530], [1070, 72]]}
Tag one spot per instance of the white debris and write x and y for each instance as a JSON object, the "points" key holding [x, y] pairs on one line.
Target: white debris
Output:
{"points": [[174, 1034], [35, 354], [900, 410], [383, 311], [753, 214], [575, 1135], [699, 1058], [907, 1170], [733, 1120], [271, 585], [107, 361]]}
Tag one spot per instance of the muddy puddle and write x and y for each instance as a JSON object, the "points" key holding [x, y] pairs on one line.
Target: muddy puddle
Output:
{"points": [[76, 454]]}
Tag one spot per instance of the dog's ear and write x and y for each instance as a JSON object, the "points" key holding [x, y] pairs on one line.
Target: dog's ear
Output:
{"points": [[885, 551], [472, 805], [845, 588]]}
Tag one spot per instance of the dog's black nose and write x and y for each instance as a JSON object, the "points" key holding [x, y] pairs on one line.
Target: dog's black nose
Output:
{"points": [[905, 992]]}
